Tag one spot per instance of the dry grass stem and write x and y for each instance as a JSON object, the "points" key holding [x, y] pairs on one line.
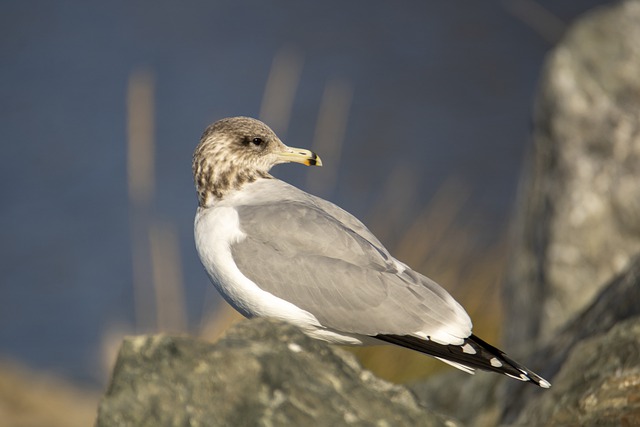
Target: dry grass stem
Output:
{"points": [[329, 134], [140, 120], [538, 18], [140, 133], [167, 279], [280, 90]]}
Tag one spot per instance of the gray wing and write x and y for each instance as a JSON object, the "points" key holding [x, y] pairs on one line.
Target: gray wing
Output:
{"points": [[322, 259]]}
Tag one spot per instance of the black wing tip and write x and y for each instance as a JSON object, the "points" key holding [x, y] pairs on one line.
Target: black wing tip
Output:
{"points": [[526, 375], [510, 367], [474, 353]]}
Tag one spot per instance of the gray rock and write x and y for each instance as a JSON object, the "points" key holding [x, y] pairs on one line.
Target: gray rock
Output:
{"points": [[598, 385], [617, 303], [488, 400], [579, 217], [262, 373], [474, 400], [575, 273]]}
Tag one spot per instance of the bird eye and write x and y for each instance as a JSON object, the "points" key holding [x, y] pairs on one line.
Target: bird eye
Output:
{"points": [[257, 141]]}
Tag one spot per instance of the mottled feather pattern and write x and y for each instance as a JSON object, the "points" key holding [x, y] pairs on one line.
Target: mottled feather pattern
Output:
{"points": [[224, 165]]}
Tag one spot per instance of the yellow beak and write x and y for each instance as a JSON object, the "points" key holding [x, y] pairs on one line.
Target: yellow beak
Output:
{"points": [[300, 155]]}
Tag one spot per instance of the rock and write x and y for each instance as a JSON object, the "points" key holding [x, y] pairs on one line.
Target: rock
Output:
{"points": [[578, 223], [261, 373], [491, 400], [617, 303], [487, 399], [598, 385], [574, 271], [472, 399]]}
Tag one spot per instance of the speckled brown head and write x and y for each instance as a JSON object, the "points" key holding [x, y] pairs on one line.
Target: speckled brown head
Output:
{"points": [[238, 150]]}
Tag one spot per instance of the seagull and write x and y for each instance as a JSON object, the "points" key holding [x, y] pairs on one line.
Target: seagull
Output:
{"points": [[273, 250]]}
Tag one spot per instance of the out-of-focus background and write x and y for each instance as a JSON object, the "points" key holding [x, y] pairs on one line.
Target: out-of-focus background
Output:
{"points": [[420, 111]]}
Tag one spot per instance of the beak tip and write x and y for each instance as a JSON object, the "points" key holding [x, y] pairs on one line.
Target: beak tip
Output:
{"points": [[315, 161]]}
